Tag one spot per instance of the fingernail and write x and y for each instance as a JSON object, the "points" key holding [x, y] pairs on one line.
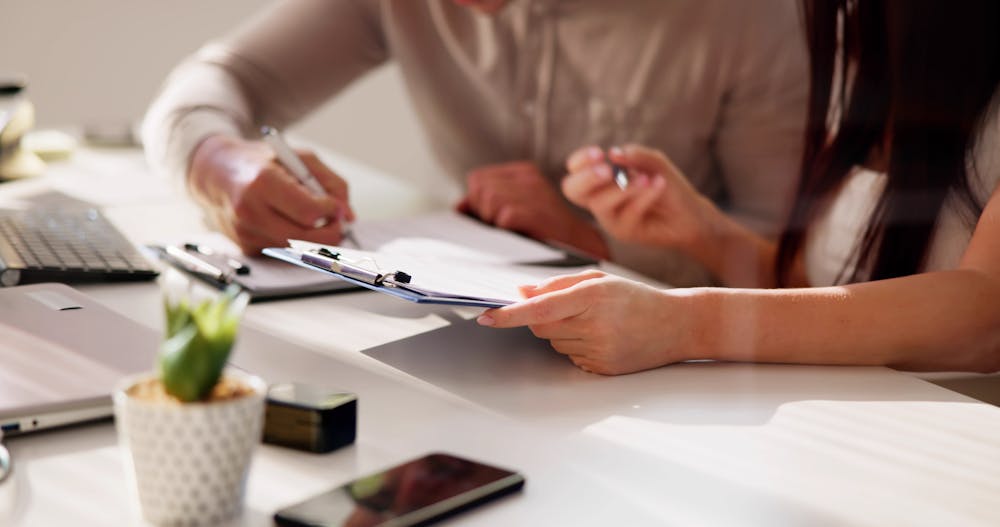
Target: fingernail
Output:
{"points": [[595, 153], [485, 320], [616, 150], [320, 223]]}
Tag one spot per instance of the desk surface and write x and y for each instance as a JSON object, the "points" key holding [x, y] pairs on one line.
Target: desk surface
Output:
{"points": [[698, 443]]}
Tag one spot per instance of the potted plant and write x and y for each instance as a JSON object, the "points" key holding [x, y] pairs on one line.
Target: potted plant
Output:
{"points": [[189, 429]]}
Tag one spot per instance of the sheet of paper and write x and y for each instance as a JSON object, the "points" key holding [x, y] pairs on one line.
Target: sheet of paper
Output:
{"points": [[450, 235]]}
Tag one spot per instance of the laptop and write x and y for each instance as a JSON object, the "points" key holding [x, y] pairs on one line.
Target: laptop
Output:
{"points": [[61, 355], [62, 239]]}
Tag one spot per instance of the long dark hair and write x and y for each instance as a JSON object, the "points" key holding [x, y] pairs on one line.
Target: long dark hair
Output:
{"points": [[924, 75]]}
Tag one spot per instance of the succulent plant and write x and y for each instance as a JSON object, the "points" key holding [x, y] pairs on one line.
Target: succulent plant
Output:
{"points": [[199, 336]]}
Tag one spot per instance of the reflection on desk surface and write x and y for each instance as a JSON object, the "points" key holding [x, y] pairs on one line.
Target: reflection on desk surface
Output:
{"points": [[514, 373]]}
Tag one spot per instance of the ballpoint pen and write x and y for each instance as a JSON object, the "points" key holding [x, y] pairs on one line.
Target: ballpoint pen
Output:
{"points": [[620, 173], [291, 161], [192, 264], [239, 267]]}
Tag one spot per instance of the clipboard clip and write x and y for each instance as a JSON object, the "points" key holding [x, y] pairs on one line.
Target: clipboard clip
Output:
{"points": [[333, 261]]}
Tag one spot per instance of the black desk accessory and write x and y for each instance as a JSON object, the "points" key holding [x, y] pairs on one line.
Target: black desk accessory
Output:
{"points": [[310, 418]]}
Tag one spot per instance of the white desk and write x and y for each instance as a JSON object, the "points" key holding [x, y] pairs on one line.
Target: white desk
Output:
{"points": [[691, 444]]}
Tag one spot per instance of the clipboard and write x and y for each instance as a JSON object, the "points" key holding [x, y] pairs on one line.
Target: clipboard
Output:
{"points": [[396, 283], [264, 278]]}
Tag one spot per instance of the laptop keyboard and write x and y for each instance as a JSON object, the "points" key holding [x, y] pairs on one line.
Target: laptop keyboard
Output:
{"points": [[66, 245]]}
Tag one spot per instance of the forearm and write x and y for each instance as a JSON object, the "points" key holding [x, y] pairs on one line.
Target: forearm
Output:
{"points": [[199, 100], [735, 255], [934, 321], [273, 69]]}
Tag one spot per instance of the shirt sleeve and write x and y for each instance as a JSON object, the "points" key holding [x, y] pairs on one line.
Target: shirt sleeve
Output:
{"points": [[275, 69], [758, 143]]}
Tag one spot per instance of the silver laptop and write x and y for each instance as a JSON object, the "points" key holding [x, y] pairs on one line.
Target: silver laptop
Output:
{"points": [[61, 355]]}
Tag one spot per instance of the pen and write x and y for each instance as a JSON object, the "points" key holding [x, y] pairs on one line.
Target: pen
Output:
{"points": [[291, 161], [237, 266], [195, 265], [620, 173]]}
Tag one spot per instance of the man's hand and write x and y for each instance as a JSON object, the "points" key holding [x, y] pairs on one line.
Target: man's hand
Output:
{"points": [[255, 201], [516, 196]]}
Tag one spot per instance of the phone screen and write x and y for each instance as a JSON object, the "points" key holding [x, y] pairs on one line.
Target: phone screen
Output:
{"points": [[414, 493]]}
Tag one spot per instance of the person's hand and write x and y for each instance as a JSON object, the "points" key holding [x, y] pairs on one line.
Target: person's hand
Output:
{"points": [[516, 196], [257, 202], [605, 324], [658, 207]]}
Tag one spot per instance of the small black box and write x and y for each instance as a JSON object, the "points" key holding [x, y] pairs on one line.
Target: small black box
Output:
{"points": [[310, 418]]}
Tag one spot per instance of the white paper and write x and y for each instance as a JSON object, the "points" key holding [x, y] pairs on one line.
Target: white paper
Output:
{"points": [[443, 277], [452, 236]]}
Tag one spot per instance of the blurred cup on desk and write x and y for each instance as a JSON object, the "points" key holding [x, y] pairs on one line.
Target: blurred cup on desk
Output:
{"points": [[17, 117], [188, 430]]}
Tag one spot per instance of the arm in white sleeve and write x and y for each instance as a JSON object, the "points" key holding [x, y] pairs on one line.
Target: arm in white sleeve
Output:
{"points": [[275, 68]]}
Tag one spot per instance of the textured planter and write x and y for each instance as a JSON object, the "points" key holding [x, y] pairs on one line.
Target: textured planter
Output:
{"points": [[188, 462]]}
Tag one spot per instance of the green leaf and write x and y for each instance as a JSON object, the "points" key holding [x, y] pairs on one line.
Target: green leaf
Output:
{"points": [[198, 342]]}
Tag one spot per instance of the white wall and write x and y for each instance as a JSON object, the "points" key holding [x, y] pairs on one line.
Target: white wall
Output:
{"points": [[101, 61]]}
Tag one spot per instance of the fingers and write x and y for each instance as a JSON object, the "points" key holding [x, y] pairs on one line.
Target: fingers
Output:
{"points": [[508, 195], [560, 301], [281, 192], [560, 282], [335, 186], [585, 157], [580, 186], [642, 158], [632, 213], [540, 310]]}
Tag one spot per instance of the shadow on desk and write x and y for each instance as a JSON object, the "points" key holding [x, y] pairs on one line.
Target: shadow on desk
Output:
{"points": [[515, 374]]}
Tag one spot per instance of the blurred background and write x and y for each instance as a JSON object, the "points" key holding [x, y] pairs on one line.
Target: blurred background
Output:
{"points": [[100, 62]]}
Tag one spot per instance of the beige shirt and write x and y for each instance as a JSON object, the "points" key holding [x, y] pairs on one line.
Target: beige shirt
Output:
{"points": [[719, 85]]}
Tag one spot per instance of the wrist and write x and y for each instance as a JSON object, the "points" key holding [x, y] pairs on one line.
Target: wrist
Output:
{"points": [[699, 333], [711, 233], [735, 255], [205, 161]]}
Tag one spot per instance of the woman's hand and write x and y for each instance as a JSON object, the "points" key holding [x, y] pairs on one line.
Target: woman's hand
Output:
{"points": [[605, 324], [255, 201], [658, 207]]}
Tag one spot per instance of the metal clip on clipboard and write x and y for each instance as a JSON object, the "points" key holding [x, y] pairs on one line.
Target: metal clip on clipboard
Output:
{"points": [[396, 283], [331, 261]]}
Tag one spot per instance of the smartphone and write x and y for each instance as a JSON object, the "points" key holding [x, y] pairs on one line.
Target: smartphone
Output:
{"points": [[417, 492]]}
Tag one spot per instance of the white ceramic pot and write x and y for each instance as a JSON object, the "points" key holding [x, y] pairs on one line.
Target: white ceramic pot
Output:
{"points": [[188, 462]]}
